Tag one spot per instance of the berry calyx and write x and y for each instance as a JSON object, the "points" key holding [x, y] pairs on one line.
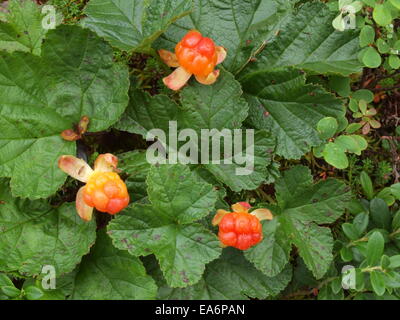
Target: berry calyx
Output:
{"points": [[106, 192], [197, 54], [240, 230]]}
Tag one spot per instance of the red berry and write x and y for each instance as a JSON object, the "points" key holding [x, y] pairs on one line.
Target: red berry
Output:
{"points": [[197, 54], [240, 230]]}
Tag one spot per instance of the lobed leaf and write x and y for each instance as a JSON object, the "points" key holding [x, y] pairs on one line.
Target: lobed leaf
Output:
{"points": [[111, 274], [44, 96], [133, 25], [166, 227], [33, 234]]}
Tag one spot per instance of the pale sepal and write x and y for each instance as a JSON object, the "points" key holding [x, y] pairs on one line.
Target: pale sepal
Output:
{"points": [[84, 211], [106, 162], [169, 58], [177, 79], [221, 52], [210, 79], [239, 207], [75, 167], [218, 216], [262, 214]]}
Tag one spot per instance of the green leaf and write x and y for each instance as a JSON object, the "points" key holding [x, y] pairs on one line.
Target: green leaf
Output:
{"points": [[33, 293], [394, 61], [272, 254], [136, 166], [335, 155], [168, 188], [111, 274], [231, 278], [346, 254], [133, 25], [395, 3], [44, 96], [380, 213], [366, 184], [385, 262], [367, 36], [5, 280], [383, 46], [23, 30], [371, 58], [382, 15], [302, 205], [283, 104], [353, 127], [361, 221], [247, 25], [308, 41], [395, 189], [348, 144], [313, 242], [378, 282], [216, 108], [10, 291], [375, 248], [394, 262], [363, 94], [219, 106], [350, 231], [247, 175], [146, 112], [34, 234], [327, 127], [340, 84], [166, 227]]}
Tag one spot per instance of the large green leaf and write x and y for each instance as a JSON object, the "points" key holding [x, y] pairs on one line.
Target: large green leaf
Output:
{"points": [[230, 277], [255, 173], [302, 205], [135, 24], [308, 41], [282, 103], [167, 227], [146, 112], [242, 27], [135, 164], [219, 106], [111, 274], [216, 108], [23, 30], [34, 234], [272, 254], [41, 97]]}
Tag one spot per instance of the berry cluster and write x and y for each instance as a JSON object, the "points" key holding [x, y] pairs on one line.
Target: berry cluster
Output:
{"points": [[240, 230], [197, 54], [106, 192]]}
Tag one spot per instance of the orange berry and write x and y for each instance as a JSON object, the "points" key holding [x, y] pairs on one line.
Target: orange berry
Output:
{"points": [[197, 54], [106, 192], [240, 230]]}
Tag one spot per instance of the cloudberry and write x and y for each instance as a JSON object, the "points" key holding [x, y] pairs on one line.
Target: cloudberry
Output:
{"points": [[197, 54], [104, 189], [240, 230], [106, 192], [194, 55]]}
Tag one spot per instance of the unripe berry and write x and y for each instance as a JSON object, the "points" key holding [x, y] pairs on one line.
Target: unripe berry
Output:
{"points": [[106, 192]]}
